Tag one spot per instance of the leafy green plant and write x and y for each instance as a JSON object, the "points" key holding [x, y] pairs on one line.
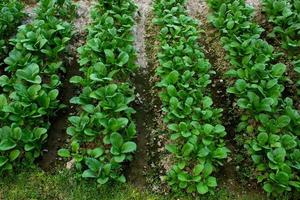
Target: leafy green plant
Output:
{"points": [[11, 15], [270, 122], [284, 16], [103, 131], [30, 89], [193, 124]]}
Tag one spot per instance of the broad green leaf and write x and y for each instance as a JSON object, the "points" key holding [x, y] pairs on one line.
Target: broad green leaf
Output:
{"points": [[89, 174], [100, 68], [93, 164], [262, 138], [208, 128], [116, 139], [3, 161], [102, 181], [230, 24], [76, 79], [3, 101], [202, 188], [221, 153], [96, 153], [212, 182], [7, 144], [208, 169], [65, 153], [268, 187], [282, 177], [183, 176], [173, 77], [120, 158], [131, 130], [14, 154], [123, 58], [203, 152], [109, 56], [187, 149], [240, 85], [128, 147], [283, 121], [207, 102], [198, 169], [172, 148], [117, 124], [277, 155], [278, 70], [121, 179], [109, 21], [288, 141], [219, 128]]}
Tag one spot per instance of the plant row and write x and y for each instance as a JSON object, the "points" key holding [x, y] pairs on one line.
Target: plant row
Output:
{"points": [[11, 15], [102, 131], [271, 123], [285, 16], [29, 90], [196, 137]]}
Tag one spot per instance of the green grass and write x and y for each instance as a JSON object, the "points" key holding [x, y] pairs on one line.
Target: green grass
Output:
{"points": [[38, 185], [63, 185]]}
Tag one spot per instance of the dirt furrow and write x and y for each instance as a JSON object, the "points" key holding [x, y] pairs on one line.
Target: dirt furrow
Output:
{"points": [[57, 134], [30, 11], [144, 116]]}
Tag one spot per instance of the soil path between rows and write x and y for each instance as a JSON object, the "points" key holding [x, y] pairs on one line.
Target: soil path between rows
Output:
{"points": [[57, 136], [144, 116]]}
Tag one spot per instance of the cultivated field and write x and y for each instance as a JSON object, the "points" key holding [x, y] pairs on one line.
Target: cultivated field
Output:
{"points": [[149, 99]]}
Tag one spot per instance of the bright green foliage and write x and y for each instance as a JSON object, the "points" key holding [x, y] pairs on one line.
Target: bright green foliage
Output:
{"points": [[11, 15], [272, 123], [103, 130], [29, 91], [196, 135], [285, 16]]}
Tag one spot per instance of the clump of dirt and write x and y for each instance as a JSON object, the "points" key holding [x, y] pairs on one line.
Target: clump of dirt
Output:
{"points": [[83, 13], [57, 136], [254, 3], [30, 11]]}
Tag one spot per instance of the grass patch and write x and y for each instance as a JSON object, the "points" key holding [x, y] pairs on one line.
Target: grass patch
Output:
{"points": [[39, 185], [63, 185]]}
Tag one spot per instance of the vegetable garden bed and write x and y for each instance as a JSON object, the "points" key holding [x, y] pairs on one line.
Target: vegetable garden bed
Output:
{"points": [[184, 99]]}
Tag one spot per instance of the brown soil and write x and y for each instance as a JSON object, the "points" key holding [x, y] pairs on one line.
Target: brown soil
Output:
{"points": [[29, 10], [147, 166], [144, 116], [57, 136], [158, 159]]}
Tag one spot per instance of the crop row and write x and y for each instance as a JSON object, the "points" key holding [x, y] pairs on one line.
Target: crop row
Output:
{"points": [[285, 16], [193, 124], [11, 15], [102, 132], [271, 122], [29, 88]]}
